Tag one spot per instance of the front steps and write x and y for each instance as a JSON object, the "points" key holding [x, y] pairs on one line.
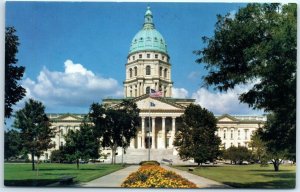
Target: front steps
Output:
{"points": [[135, 156]]}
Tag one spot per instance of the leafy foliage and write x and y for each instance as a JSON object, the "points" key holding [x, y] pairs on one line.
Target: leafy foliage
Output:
{"points": [[196, 138], [12, 144], [81, 144], [258, 146], [115, 126], [34, 128], [237, 154], [258, 45], [13, 91]]}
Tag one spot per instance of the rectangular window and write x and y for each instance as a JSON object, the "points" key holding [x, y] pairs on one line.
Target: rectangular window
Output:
{"points": [[224, 136], [246, 134], [163, 57], [140, 56], [148, 55], [156, 56]]}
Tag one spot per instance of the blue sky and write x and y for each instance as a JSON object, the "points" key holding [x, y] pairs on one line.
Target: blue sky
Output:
{"points": [[75, 53]]}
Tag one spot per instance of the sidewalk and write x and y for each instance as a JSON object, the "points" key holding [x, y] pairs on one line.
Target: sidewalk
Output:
{"points": [[114, 179], [201, 182]]}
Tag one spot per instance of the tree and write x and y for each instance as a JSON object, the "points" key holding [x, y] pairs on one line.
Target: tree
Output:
{"points": [[81, 144], [57, 156], [34, 128], [115, 126], [237, 154], [12, 144], [275, 142], [196, 137], [258, 45], [13, 91], [258, 146]]}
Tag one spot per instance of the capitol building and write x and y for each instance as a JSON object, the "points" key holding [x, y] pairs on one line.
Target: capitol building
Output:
{"points": [[148, 67]]}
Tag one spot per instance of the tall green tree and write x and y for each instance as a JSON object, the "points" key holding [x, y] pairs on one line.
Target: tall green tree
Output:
{"points": [[258, 147], [12, 144], [196, 137], [81, 144], [13, 90], [115, 126], [258, 45], [35, 129]]}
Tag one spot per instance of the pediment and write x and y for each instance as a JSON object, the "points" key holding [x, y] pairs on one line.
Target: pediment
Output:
{"points": [[227, 118], [158, 104], [68, 117]]}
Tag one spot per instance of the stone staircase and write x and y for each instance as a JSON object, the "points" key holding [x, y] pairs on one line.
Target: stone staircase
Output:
{"points": [[134, 156]]}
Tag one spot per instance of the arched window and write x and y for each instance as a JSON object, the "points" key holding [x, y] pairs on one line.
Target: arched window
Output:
{"points": [[160, 71], [147, 90], [130, 72], [224, 136], [231, 134], [135, 71], [165, 73], [148, 70]]}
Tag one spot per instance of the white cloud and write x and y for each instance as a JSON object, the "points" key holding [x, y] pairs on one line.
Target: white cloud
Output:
{"points": [[75, 87], [179, 93], [225, 102], [194, 75]]}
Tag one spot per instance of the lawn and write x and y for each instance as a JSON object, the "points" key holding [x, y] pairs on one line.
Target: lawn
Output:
{"points": [[22, 175], [249, 176]]}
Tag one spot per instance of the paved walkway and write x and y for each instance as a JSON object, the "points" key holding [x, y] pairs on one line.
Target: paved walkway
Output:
{"points": [[200, 182], [115, 179]]}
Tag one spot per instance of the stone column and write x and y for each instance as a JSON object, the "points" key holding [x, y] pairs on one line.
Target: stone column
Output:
{"points": [[153, 133], [138, 89], [132, 141], [173, 131], [163, 132], [143, 132]]}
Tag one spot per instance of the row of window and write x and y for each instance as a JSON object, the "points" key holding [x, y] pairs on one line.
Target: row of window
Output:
{"points": [[238, 145], [148, 71], [239, 133], [148, 56], [147, 91], [148, 39]]}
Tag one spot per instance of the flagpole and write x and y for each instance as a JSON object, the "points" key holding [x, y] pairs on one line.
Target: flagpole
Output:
{"points": [[149, 135]]}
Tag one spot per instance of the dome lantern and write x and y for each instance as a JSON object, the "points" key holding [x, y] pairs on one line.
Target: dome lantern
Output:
{"points": [[148, 38]]}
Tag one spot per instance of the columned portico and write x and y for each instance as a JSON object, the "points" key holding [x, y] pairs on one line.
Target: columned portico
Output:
{"points": [[157, 137]]}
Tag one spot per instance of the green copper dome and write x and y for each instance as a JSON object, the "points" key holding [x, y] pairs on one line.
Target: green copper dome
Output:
{"points": [[148, 39]]}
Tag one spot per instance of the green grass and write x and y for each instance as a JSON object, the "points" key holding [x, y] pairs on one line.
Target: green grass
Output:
{"points": [[249, 176], [22, 175]]}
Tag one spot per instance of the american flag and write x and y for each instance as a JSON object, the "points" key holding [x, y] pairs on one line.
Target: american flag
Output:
{"points": [[154, 93]]}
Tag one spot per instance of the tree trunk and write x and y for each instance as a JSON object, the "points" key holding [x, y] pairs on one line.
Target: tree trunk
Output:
{"points": [[32, 161], [113, 155], [276, 165], [77, 162]]}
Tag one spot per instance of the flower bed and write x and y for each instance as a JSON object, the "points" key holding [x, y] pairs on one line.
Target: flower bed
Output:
{"points": [[156, 177]]}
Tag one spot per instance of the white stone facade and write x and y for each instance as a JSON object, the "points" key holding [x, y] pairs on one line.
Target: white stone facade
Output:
{"points": [[148, 70]]}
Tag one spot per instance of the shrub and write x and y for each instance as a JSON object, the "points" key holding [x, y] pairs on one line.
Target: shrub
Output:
{"points": [[156, 177], [149, 163]]}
